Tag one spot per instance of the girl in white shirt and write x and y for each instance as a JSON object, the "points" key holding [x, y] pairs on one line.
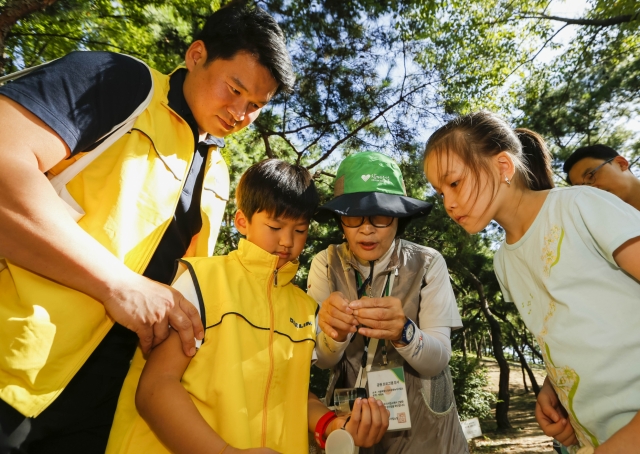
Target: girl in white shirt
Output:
{"points": [[571, 264]]}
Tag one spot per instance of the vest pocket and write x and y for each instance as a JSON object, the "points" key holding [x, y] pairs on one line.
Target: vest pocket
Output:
{"points": [[27, 343], [437, 392]]}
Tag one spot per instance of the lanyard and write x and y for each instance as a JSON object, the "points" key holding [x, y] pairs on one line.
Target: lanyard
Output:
{"points": [[361, 289]]}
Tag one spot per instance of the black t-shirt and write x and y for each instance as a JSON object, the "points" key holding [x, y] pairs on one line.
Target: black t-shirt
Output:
{"points": [[83, 95]]}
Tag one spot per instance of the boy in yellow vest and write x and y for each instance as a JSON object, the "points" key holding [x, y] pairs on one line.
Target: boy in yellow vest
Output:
{"points": [[247, 387]]}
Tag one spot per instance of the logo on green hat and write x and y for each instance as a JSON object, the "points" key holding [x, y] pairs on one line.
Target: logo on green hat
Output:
{"points": [[369, 171]]}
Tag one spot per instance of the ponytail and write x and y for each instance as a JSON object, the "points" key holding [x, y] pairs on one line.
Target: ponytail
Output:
{"points": [[537, 159]]}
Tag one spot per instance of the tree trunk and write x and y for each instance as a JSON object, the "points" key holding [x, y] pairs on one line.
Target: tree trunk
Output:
{"points": [[464, 346], [525, 366], [502, 407], [11, 13], [524, 379]]}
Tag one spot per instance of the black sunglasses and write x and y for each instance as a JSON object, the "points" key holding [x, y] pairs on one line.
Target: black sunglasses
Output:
{"points": [[379, 221]]}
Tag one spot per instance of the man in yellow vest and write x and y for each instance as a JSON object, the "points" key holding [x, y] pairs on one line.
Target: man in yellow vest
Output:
{"points": [[157, 193]]}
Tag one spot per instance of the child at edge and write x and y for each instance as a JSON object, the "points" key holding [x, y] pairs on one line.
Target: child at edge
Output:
{"points": [[571, 264], [246, 389]]}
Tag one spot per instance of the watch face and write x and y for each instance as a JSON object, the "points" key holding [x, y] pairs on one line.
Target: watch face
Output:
{"points": [[411, 329]]}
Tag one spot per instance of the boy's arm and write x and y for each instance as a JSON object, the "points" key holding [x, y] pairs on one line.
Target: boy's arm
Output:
{"points": [[368, 422], [625, 440], [627, 257], [167, 407]]}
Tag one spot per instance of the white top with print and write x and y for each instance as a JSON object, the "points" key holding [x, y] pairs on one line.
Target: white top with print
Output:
{"points": [[583, 309]]}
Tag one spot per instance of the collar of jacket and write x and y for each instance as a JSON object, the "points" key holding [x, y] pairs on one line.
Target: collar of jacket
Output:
{"points": [[261, 263], [350, 261]]}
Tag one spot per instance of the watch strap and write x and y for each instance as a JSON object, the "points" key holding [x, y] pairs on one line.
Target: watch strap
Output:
{"points": [[409, 323]]}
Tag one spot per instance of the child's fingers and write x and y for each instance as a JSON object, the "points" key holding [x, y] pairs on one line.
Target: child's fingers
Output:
{"points": [[546, 408], [365, 423], [356, 411], [383, 415], [554, 429], [568, 436]]}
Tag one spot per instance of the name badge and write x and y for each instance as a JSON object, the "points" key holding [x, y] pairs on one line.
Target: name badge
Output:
{"points": [[388, 386]]}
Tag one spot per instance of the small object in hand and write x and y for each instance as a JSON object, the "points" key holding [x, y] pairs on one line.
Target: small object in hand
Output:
{"points": [[340, 442], [344, 398]]}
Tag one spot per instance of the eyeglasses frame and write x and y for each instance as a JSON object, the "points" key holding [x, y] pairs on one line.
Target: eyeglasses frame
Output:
{"points": [[592, 174], [370, 221]]}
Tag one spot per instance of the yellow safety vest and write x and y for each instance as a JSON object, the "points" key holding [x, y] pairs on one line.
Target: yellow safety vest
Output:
{"points": [[250, 378], [129, 195]]}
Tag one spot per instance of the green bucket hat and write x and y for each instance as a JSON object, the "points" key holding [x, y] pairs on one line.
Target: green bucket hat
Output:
{"points": [[371, 183]]}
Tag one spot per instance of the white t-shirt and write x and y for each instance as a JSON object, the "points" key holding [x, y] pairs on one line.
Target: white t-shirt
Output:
{"points": [[583, 309]]}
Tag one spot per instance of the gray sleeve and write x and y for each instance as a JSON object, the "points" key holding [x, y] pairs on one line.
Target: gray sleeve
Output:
{"points": [[327, 349], [438, 306], [430, 350]]}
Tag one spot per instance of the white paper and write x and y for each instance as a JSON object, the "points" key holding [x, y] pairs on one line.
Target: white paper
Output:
{"points": [[388, 386]]}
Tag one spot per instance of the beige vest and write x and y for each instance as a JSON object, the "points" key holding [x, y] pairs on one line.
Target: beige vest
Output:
{"points": [[435, 425]]}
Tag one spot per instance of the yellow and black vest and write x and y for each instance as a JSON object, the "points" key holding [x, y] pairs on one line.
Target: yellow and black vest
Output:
{"points": [[128, 195], [250, 378]]}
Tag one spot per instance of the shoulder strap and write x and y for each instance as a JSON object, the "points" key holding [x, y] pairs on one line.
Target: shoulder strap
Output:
{"points": [[60, 181], [22, 72], [109, 139]]}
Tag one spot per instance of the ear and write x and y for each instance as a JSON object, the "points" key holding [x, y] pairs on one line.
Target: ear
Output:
{"points": [[505, 165], [196, 55], [241, 222], [622, 162]]}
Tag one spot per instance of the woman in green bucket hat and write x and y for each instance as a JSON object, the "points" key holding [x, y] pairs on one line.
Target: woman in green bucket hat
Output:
{"points": [[387, 306]]}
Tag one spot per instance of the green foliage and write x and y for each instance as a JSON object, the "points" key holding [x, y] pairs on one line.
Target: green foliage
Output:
{"points": [[469, 385], [589, 93], [157, 31]]}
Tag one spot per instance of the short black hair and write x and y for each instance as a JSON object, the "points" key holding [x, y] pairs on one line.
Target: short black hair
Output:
{"points": [[279, 188], [597, 151], [244, 26]]}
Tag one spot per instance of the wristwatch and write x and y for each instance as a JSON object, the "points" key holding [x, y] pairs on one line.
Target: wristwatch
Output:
{"points": [[408, 331]]}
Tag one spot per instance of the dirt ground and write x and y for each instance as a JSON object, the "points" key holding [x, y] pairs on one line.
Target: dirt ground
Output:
{"points": [[526, 437]]}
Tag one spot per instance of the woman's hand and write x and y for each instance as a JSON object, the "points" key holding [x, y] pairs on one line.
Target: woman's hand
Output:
{"points": [[369, 421], [552, 417], [382, 317], [335, 318]]}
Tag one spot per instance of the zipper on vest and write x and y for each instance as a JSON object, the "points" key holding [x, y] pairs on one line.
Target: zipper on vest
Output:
{"points": [[274, 278]]}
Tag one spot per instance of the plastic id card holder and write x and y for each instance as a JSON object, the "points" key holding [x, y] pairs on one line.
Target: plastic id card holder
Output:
{"points": [[389, 386]]}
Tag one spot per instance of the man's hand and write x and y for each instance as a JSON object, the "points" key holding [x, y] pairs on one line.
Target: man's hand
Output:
{"points": [[335, 318], [148, 308], [383, 317], [552, 417], [368, 423]]}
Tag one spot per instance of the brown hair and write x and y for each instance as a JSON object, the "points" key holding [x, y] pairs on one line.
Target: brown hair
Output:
{"points": [[537, 159], [480, 135]]}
